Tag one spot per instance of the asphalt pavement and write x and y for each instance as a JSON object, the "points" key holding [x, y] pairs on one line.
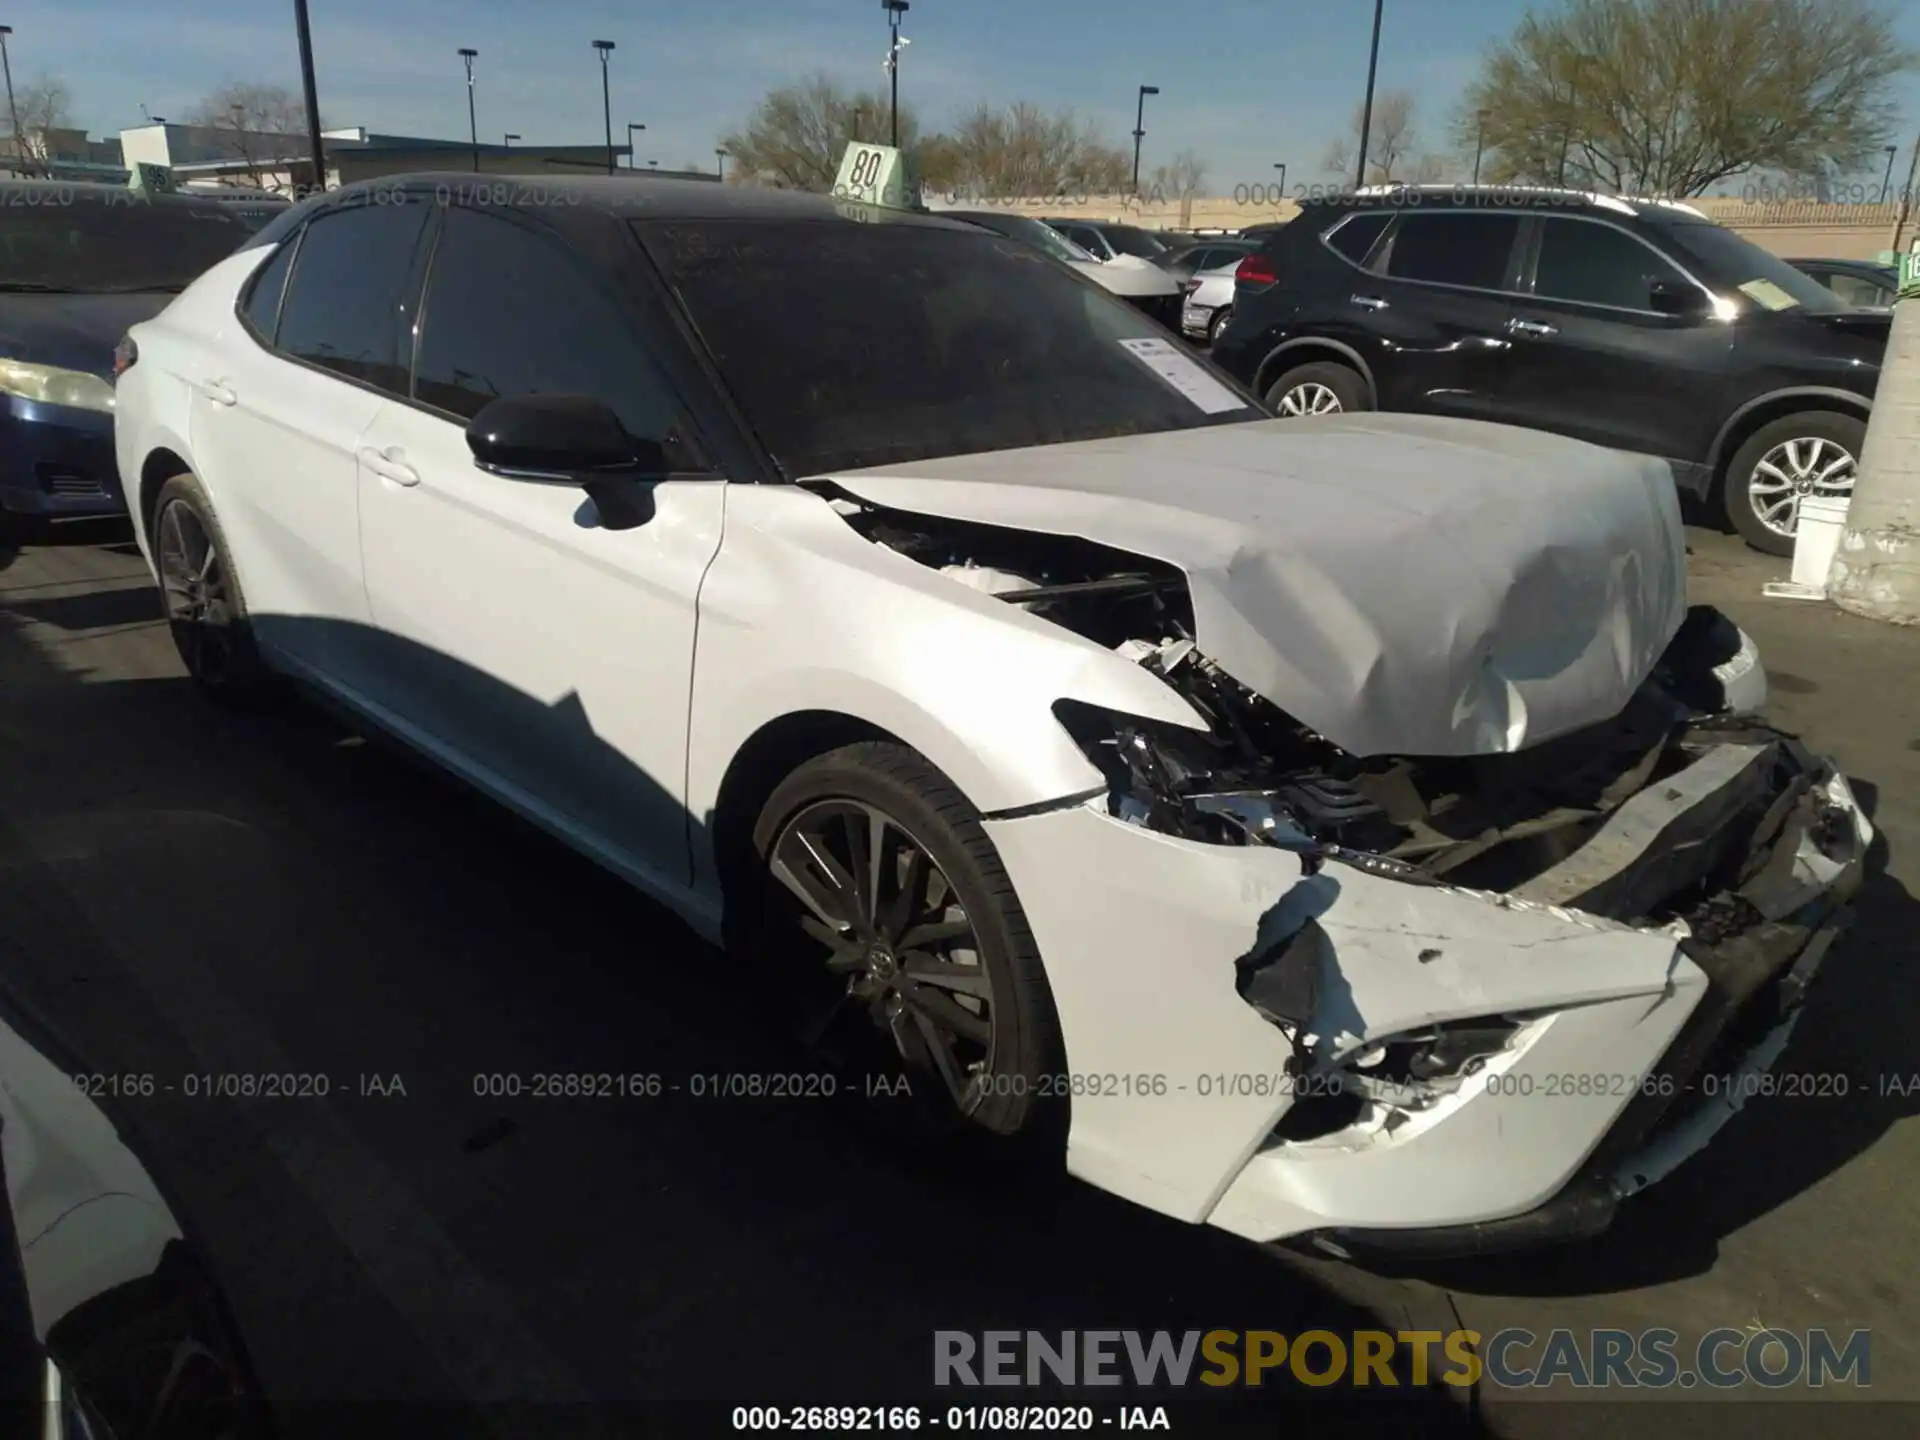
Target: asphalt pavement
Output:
{"points": [[184, 890]]}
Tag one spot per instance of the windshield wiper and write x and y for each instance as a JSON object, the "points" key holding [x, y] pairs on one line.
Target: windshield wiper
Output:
{"points": [[34, 287], [170, 288]]}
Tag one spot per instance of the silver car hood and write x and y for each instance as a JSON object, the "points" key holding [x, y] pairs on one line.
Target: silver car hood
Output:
{"points": [[1401, 584]]}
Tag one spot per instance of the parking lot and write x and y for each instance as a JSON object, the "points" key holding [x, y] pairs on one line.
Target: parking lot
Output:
{"points": [[187, 891]]}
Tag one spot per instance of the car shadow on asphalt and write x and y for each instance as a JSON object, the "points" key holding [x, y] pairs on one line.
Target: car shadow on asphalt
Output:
{"points": [[1856, 1072], [191, 888]]}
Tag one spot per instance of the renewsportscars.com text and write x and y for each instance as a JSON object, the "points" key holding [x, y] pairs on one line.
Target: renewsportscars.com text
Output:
{"points": [[1515, 1358]]}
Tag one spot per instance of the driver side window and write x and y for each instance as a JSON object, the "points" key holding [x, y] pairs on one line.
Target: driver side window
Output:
{"points": [[510, 311]]}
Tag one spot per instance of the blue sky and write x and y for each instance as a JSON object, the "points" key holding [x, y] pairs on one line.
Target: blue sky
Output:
{"points": [[1246, 84]]}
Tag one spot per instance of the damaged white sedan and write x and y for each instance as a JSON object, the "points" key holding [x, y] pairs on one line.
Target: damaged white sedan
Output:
{"points": [[1338, 832]]}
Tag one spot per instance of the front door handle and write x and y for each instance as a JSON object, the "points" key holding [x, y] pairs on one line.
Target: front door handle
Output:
{"points": [[388, 466], [219, 394], [1531, 327], [1370, 302]]}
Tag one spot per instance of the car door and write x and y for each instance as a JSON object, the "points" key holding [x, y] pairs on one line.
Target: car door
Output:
{"points": [[275, 423], [1593, 359], [1433, 309], [540, 651]]}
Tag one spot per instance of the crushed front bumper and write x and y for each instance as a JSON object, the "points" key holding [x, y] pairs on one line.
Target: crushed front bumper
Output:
{"points": [[1179, 1084]]}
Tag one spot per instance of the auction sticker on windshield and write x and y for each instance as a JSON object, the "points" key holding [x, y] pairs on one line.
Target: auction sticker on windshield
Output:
{"points": [[1768, 294], [1181, 372]]}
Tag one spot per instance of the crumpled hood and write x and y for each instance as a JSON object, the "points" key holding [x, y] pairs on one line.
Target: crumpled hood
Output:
{"points": [[1401, 584]]}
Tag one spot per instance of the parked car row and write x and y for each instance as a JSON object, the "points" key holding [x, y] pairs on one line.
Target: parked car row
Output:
{"points": [[1639, 325], [1011, 696]]}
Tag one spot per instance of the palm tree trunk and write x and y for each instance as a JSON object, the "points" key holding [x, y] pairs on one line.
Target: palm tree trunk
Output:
{"points": [[1876, 571]]}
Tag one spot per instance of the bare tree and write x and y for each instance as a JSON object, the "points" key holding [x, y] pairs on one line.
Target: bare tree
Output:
{"points": [[264, 126], [1670, 96], [44, 104], [796, 136], [1026, 152], [1391, 141], [1183, 180]]}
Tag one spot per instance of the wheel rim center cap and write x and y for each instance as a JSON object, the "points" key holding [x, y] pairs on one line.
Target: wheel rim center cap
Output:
{"points": [[881, 963]]}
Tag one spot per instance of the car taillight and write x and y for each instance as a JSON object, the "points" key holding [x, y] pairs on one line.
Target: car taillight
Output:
{"points": [[1256, 269], [1190, 287], [124, 354]]}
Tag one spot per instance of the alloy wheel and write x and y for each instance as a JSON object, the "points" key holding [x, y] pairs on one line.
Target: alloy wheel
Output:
{"points": [[902, 958], [1794, 470], [1309, 398], [195, 586]]}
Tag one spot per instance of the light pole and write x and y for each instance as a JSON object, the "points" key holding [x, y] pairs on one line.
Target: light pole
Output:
{"points": [[507, 140], [473, 129], [895, 9], [1479, 142], [1366, 108], [13, 111], [720, 164], [1886, 181], [309, 93], [1140, 131], [1281, 166], [630, 145], [605, 47]]}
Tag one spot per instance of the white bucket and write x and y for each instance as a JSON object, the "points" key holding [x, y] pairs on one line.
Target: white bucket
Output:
{"points": [[1816, 537]]}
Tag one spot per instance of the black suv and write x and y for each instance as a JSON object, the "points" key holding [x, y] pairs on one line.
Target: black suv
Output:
{"points": [[1638, 324]]}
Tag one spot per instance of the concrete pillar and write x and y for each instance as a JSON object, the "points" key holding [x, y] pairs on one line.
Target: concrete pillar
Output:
{"points": [[1876, 570]]}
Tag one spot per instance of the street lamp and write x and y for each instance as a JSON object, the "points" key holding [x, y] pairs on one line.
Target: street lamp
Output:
{"points": [[309, 94], [1479, 142], [1366, 108], [720, 164], [1281, 166], [473, 130], [1886, 181], [895, 9], [630, 146], [605, 47], [1140, 131], [508, 140], [19, 140]]}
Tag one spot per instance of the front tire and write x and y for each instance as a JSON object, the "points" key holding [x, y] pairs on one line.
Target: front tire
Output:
{"points": [[1813, 452], [205, 608], [897, 947], [1321, 387]]}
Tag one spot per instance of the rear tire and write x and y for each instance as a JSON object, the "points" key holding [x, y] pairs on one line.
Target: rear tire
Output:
{"points": [[1811, 452], [204, 605], [1321, 387], [941, 954], [1218, 323]]}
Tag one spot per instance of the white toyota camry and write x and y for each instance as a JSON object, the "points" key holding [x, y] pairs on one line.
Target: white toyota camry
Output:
{"points": [[1338, 831]]}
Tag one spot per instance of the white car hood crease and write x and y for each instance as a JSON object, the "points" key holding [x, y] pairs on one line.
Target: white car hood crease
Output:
{"points": [[1401, 584]]}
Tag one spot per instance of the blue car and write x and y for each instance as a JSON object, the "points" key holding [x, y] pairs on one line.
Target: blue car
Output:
{"points": [[79, 263]]}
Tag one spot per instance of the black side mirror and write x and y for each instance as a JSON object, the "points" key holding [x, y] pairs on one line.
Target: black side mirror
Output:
{"points": [[1671, 297], [560, 440]]}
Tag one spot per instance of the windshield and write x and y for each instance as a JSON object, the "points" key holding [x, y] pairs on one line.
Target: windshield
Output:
{"points": [[112, 241], [1036, 233], [1733, 263], [856, 345], [1143, 244]]}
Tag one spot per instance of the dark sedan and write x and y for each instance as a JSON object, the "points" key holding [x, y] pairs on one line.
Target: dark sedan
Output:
{"points": [[79, 264]]}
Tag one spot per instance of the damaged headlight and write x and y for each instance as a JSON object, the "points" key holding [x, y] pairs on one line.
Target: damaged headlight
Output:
{"points": [[1413, 1070]]}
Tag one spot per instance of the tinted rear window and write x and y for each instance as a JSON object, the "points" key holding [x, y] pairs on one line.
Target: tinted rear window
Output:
{"points": [[99, 238], [855, 345], [1129, 241], [1355, 237]]}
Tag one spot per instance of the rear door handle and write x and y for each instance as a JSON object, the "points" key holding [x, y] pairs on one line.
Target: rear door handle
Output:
{"points": [[387, 467], [219, 394], [1370, 302], [1531, 327]]}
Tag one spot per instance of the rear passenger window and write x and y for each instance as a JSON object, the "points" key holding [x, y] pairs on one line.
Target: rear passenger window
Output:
{"points": [[509, 311], [1355, 236], [342, 308], [1461, 248], [263, 296]]}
